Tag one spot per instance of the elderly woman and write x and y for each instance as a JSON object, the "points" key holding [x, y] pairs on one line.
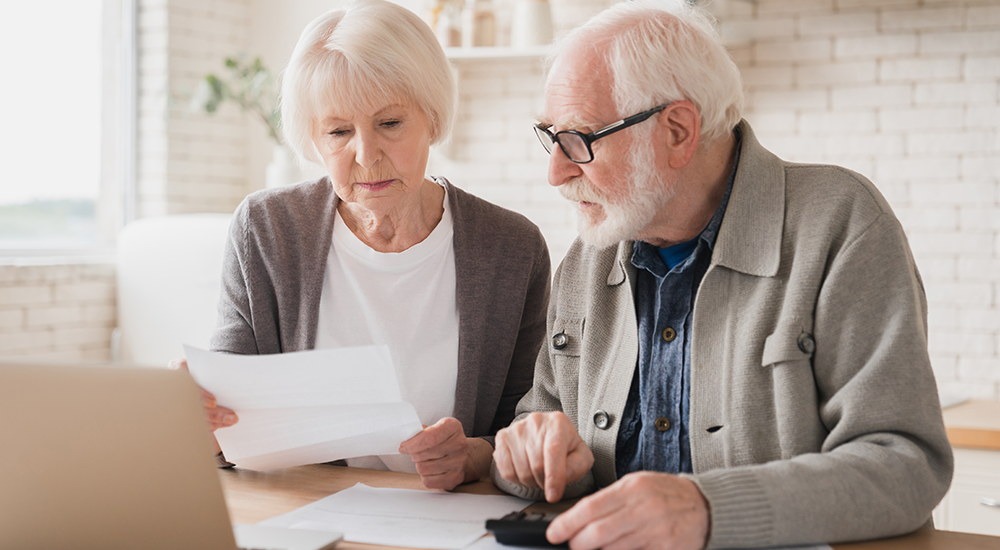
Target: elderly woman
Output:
{"points": [[378, 253]]}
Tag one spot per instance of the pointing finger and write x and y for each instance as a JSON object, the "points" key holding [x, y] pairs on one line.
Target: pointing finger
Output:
{"points": [[555, 466]]}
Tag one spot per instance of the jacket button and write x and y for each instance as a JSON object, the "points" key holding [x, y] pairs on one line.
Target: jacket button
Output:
{"points": [[560, 340], [602, 420], [662, 424], [669, 334], [806, 343]]}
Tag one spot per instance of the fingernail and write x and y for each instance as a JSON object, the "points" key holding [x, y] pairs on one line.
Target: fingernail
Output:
{"points": [[212, 403], [230, 418]]}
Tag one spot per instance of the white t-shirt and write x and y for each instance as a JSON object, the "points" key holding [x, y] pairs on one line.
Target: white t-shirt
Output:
{"points": [[405, 300]]}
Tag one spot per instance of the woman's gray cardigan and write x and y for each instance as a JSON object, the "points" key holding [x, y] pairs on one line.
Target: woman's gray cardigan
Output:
{"points": [[275, 262]]}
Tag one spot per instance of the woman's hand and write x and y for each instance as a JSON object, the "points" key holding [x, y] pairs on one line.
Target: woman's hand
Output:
{"points": [[218, 417], [445, 458]]}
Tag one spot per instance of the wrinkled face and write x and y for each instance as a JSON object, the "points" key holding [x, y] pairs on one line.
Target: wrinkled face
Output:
{"points": [[376, 157], [620, 191]]}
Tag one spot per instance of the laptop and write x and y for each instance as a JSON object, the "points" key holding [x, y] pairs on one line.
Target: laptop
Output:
{"points": [[106, 457]]}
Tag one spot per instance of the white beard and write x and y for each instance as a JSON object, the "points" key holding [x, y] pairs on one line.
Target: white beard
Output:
{"points": [[624, 218]]}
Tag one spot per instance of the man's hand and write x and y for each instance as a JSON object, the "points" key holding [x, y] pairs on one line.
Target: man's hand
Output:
{"points": [[445, 458], [640, 510], [542, 450]]}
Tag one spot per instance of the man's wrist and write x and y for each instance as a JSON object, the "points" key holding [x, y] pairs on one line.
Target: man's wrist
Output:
{"points": [[708, 518], [705, 506], [478, 459]]}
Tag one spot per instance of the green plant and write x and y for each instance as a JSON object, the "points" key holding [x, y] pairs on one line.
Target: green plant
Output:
{"points": [[250, 84]]}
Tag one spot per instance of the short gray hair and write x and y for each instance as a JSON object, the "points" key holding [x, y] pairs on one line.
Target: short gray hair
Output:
{"points": [[370, 54], [663, 51]]}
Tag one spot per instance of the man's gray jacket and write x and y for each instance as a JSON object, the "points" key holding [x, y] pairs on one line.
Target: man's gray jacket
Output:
{"points": [[814, 412]]}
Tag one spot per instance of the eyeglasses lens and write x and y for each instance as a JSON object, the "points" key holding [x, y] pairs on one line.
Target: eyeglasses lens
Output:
{"points": [[546, 138], [573, 145]]}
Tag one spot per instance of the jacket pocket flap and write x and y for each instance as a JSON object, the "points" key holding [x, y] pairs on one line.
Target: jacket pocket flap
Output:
{"points": [[566, 337], [786, 345]]}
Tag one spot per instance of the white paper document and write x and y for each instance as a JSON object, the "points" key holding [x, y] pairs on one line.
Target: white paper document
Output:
{"points": [[306, 407], [402, 517]]}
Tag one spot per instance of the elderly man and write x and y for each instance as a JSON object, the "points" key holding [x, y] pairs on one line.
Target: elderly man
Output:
{"points": [[738, 344]]}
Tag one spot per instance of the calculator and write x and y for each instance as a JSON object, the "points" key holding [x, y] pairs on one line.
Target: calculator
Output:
{"points": [[523, 529]]}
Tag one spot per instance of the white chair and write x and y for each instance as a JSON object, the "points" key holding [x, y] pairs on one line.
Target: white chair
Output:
{"points": [[168, 285]]}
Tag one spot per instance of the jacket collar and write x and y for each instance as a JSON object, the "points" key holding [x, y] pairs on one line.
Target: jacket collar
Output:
{"points": [[749, 238]]}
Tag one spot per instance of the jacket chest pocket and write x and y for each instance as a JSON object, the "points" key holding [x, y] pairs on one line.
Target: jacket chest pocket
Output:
{"points": [[565, 344], [788, 359], [787, 345]]}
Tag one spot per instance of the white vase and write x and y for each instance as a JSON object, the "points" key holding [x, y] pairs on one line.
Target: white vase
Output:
{"points": [[531, 24], [281, 170]]}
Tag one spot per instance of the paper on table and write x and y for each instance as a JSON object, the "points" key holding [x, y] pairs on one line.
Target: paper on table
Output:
{"points": [[306, 407], [402, 517]]}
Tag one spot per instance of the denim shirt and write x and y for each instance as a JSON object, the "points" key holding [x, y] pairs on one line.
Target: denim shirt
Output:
{"points": [[653, 434]]}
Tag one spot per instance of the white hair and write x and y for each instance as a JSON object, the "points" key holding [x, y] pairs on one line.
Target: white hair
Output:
{"points": [[370, 54], [660, 51]]}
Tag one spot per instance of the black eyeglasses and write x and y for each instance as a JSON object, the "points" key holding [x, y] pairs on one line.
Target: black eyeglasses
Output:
{"points": [[576, 145]]}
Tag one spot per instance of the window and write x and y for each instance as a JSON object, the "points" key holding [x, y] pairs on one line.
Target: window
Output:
{"points": [[56, 96]]}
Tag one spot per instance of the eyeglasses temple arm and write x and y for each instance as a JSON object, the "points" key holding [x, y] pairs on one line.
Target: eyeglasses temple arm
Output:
{"points": [[628, 121], [609, 128]]}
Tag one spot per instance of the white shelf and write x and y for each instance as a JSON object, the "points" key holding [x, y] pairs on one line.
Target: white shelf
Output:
{"points": [[534, 52]]}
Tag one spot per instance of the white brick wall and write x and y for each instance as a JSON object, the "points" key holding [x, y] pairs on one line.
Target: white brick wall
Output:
{"points": [[907, 93], [189, 161], [493, 151], [57, 312]]}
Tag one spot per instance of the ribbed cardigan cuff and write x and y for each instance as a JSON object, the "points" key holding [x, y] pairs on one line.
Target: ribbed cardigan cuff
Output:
{"points": [[576, 489], [741, 513]]}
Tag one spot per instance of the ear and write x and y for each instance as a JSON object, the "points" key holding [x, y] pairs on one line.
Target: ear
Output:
{"points": [[680, 130]]}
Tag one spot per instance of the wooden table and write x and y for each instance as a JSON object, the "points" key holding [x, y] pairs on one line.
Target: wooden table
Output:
{"points": [[256, 496]]}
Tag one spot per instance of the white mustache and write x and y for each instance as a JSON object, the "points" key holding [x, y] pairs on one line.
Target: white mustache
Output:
{"points": [[580, 190]]}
